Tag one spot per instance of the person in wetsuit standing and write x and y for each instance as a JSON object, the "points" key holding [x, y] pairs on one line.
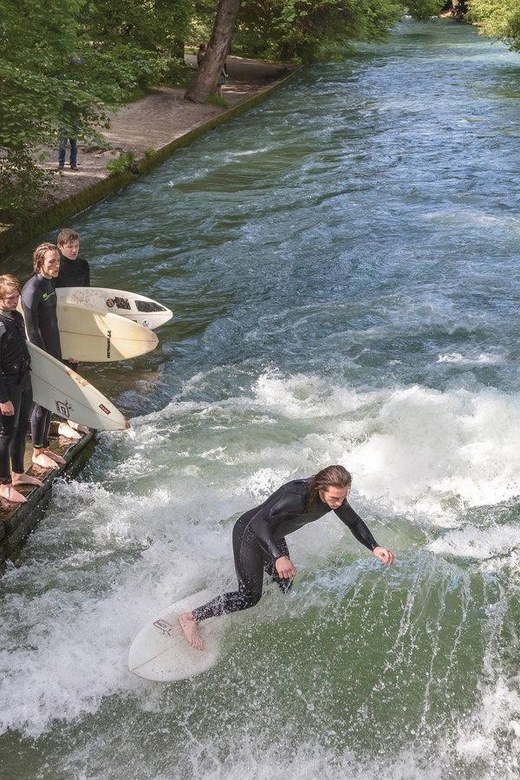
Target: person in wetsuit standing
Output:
{"points": [[15, 393], [39, 309], [259, 541], [74, 270]]}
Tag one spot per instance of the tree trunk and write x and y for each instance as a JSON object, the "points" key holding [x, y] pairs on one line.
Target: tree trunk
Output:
{"points": [[205, 81]]}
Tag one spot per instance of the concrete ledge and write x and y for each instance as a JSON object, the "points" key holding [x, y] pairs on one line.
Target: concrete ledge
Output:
{"points": [[17, 521]]}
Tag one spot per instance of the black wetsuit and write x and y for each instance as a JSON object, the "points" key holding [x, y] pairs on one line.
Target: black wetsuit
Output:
{"points": [[73, 273], [39, 308], [259, 539], [15, 386]]}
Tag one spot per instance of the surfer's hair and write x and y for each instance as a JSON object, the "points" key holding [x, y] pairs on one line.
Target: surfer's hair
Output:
{"points": [[8, 283], [331, 476], [39, 255], [67, 236]]}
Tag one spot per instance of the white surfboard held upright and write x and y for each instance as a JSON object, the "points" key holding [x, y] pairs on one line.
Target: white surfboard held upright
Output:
{"points": [[93, 336], [161, 652], [132, 306], [61, 390]]}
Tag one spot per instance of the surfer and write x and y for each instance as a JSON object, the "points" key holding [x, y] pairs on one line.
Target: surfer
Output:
{"points": [[15, 393], [259, 541], [39, 308], [74, 271]]}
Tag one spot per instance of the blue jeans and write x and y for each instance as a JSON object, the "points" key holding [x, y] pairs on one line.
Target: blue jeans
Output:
{"points": [[64, 137]]}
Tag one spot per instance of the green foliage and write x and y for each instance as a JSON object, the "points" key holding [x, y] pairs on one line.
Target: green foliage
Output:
{"points": [[125, 162], [64, 62], [217, 100], [498, 19], [310, 30], [21, 184], [424, 9]]}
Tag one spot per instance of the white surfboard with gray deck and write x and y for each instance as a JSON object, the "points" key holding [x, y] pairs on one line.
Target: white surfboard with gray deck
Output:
{"points": [[61, 390], [161, 652], [134, 307], [91, 336]]}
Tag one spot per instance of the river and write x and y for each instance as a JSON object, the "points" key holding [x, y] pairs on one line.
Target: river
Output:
{"points": [[343, 266]]}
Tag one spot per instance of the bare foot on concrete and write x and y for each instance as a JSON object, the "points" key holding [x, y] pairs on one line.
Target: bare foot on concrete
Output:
{"points": [[78, 427], [47, 459], [190, 629], [64, 429], [10, 494], [25, 479]]}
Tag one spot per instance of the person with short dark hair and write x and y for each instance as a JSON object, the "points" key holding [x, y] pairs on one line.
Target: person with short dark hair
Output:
{"points": [[259, 541], [74, 270]]}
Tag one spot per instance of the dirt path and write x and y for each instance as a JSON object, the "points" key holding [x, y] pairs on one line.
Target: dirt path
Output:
{"points": [[158, 119]]}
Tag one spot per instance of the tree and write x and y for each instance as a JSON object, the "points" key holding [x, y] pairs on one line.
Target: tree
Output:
{"points": [[57, 53], [205, 81], [498, 19]]}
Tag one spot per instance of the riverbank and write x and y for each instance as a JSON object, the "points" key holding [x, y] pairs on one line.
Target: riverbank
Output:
{"points": [[143, 134]]}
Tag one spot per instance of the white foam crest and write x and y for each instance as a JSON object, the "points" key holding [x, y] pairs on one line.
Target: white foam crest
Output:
{"points": [[412, 450], [496, 724], [301, 395], [478, 543], [244, 758], [422, 447], [481, 359], [69, 649]]}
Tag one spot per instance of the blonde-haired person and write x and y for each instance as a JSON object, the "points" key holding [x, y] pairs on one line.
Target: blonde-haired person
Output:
{"points": [[16, 398], [259, 541], [39, 309]]}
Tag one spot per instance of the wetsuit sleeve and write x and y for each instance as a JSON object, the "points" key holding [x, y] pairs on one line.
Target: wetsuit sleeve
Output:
{"points": [[30, 303], [356, 525], [260, 524], [87, 274], [4, 397]]}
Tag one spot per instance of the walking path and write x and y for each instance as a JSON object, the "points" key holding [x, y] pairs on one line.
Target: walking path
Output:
{"points": [[160, 118]]}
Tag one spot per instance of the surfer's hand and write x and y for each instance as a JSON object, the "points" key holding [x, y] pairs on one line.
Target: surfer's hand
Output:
{"points": [[7, 408], [384, 555], [285, 568]]}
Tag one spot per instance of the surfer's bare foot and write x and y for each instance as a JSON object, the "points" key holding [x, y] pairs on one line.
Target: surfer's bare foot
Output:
{"points": [[190, 629], [64, 429], [25, 479], [55, 457], [78, 427], [10, 494]]}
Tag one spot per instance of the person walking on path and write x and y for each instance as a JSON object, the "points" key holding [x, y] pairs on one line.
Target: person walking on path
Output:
{"points": [[259, 541]]}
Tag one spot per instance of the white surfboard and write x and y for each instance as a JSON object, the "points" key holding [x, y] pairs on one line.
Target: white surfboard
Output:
{"points": [[66, 393], [161, 652], [95, 337], [134, 307]]}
